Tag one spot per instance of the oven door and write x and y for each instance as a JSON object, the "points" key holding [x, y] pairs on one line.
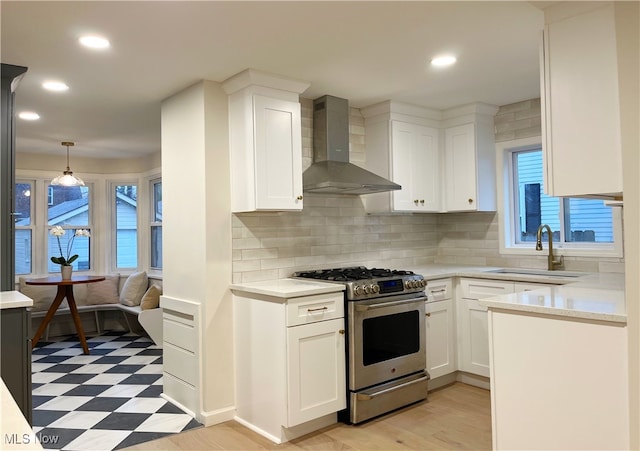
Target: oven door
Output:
{"points": [[386, 339]]}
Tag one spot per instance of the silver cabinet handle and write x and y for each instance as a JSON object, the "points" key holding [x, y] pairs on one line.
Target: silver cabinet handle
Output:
{"points": [[364, 308], [365, 397], [441, 290], [309, 310]]}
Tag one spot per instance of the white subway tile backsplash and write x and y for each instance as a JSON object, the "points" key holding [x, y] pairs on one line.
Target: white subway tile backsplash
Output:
{"points": [[335, 231]]}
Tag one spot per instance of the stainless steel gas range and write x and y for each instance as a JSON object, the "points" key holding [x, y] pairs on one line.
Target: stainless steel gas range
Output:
{"points": [[386, 356]]}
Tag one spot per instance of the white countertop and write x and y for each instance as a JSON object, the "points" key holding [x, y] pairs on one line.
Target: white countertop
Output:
{"points": [[15, 432], [598, 296], [14, 299], [570, 301], [287, 288]]}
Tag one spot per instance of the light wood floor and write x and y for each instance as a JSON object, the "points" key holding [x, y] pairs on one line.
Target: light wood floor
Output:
{"points": [[454, 417]]}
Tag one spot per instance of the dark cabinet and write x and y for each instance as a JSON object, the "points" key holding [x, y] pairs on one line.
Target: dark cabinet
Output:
{"points": [[15, 356]]}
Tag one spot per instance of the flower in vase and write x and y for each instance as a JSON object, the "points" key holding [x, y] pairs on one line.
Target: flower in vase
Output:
{"points": [[58, 232]]}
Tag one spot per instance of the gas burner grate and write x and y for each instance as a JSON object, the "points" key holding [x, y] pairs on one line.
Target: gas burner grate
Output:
{"points": [[351, 273]]}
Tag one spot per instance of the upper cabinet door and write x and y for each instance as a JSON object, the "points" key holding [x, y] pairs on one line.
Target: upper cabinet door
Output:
{"points": [[415, 162], [460, 162], [581, 105], [278, 154]]}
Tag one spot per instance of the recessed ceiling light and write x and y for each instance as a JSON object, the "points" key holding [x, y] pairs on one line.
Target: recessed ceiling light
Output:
{"points": [[55, 86], [444, 60], [94, 42], [29, 116]]}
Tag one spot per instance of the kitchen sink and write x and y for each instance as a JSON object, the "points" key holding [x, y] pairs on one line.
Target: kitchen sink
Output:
{"points": [[537, 272]]}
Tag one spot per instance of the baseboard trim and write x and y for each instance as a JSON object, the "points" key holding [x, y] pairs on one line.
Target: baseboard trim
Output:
{"points": [[218, 416]]}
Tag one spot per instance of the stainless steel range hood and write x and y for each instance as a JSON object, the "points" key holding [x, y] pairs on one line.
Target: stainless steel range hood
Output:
{"points": [[331, 171]]}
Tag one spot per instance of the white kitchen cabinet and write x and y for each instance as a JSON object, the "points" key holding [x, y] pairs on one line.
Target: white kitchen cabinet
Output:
{"points": [[440, 328], [403, 145], [473, 338], [316, 370], [265, 140], [441, 338], [581, 102], [473, 335], [290, 362], [469, 160], [415, 163]]}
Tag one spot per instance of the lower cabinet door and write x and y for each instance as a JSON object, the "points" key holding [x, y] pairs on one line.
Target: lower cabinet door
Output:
{"points": [[474, 337], [440, 347], [316, 370]]}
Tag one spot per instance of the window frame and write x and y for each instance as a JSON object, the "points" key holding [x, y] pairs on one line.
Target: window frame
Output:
{"points": [[32, 222], [507, 205], [46, 228], [113, 224], [152, 222]]}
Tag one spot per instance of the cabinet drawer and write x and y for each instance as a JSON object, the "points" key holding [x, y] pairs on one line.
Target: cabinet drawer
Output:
{"points": [[523, 286], [310, 309], [438, 290], [480, 288]]}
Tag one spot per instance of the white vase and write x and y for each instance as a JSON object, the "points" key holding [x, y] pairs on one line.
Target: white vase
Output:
{"points": [[66, 272]]}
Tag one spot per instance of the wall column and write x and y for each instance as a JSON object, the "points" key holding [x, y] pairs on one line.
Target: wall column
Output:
{"points": [[198, 350]]}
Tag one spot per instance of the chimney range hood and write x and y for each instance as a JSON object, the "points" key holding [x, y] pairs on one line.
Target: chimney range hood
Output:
{"points": [[331, 171]]}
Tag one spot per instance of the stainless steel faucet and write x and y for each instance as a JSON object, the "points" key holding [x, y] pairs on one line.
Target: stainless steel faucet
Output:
{"points": [[551, 263]]}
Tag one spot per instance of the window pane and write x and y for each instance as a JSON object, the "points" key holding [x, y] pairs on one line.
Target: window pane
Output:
{"points": [[156, 247], [157, 202], [23, 251], [156, 227], [126, 197], [68, 206], [533, 207], [23, 204], [587, 220], [63, 246]]}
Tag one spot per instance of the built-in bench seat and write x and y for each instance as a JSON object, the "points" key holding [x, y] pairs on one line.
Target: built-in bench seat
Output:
{"points": [[114, 295]]}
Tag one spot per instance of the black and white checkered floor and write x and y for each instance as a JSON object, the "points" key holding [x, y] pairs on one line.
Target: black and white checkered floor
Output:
{"points": [[107, 400]]}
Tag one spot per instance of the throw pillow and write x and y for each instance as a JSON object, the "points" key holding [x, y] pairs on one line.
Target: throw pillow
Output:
{"points": [[151, 298], [134, 288], [42, 295], [104, 292]]}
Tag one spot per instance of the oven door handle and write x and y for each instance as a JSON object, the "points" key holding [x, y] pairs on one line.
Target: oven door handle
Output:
{"points": [[365, 307], [367, 397]]}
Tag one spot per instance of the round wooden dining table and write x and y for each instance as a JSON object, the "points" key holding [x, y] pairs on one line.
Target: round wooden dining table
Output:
{"points": [[65, 290]]}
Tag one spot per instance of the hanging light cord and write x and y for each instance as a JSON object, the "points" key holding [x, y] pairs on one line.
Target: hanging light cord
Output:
{"points": [[68, 143]]}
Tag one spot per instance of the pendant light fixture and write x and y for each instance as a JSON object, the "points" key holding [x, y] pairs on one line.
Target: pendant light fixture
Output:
{"points": [[67, 178]]}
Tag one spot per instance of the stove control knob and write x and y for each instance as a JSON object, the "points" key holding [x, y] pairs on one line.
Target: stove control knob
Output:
{"points": [[367, 289], [357, 290], [375, 288], [422, 283], [408, 284]]}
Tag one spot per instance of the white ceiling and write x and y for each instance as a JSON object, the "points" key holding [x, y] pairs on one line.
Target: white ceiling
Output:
{"points": [[364, 51]]}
